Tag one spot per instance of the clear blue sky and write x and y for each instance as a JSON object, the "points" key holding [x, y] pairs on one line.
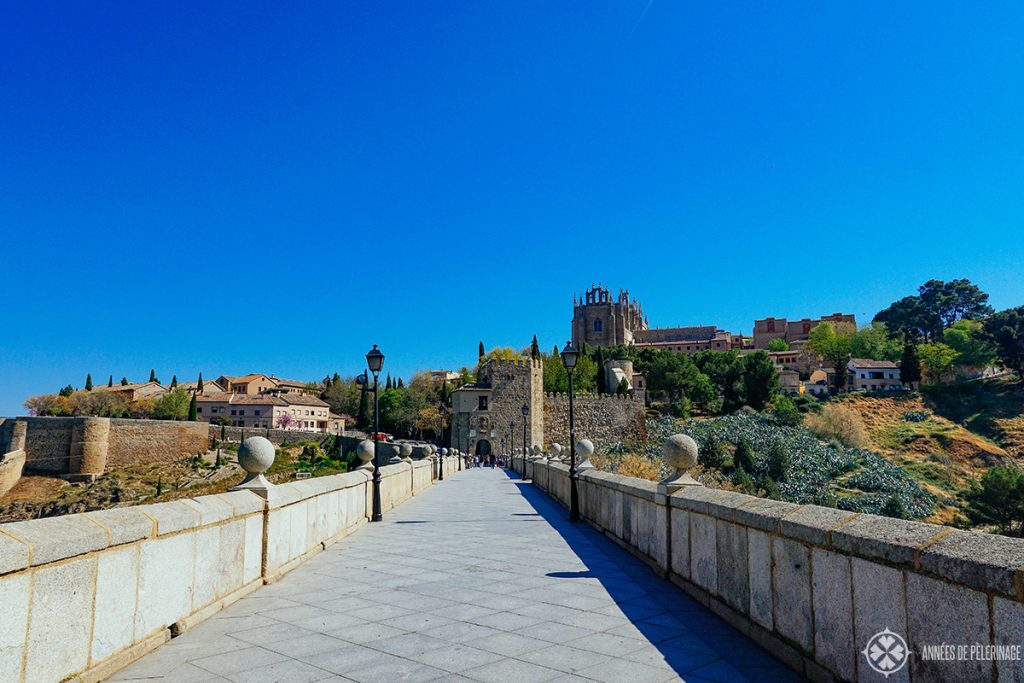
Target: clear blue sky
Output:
{"points": [[235, 187]]}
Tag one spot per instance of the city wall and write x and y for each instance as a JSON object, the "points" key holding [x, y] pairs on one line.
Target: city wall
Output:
{"points": [[84, 595], [812, 584], [602, 419]]}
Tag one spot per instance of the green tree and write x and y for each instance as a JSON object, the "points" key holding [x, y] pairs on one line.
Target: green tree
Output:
{"points": [[894, 507], [938, 359], [875, 342], [833, 343], [743, 458], [602, 385], [193, 411], [760, 379], [998, 499], [1005, 330], [910, 365], [968, 339], [88, 382], [388, 386], [172, 406], [534, 349], [480, 351], [124, 381], [199, 384], [399, 384], [152, 376], [954, 300], [909, 318], [110, 381], [584, 377], [556, 379], [778, 344], [363, 416], [623, 388], [66, 391], [712, 454], [174, 382]]}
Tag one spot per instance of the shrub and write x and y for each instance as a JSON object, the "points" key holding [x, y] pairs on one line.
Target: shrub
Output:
{"points": [[632, 465], [785, 411], [894, 507], [916, 415], [712, 455], [743, 481], [778, 461], [839, 422], [998, 499], [743, 458]]}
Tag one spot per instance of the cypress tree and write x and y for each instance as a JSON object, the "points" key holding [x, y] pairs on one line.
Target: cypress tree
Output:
{"points": [[363, 416], [910, 365], [743, 458], [124, 381], [174, 382], [336, 379], [534, 349], [88, 382], [400, 385], [193, 413], [110, 381], [388, 384], [152, 376], [199, 384], [602, 383], [480, 351]]}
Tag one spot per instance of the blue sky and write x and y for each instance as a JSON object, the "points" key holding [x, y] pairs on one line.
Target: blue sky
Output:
{"points": [[234, 187]]}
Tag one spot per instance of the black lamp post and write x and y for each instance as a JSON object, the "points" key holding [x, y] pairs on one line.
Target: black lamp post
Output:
{"points": [[570, 354], [526, 413], [375, 361], [512, 440]]}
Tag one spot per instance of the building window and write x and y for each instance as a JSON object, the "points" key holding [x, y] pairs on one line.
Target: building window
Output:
{"points": [[199, 410], [483, 403], [598, 326], [234, 412]]}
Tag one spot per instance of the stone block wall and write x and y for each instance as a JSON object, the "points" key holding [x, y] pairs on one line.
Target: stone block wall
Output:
{"points": [[133, 442], [813, 584], [83, 595], [602, 419]]}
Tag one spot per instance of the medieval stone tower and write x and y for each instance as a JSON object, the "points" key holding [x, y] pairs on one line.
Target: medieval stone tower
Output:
{"points": [[597, 320], [485, 411]]}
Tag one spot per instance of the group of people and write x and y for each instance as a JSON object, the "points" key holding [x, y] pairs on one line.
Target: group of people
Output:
{"points": [[484, 461]]}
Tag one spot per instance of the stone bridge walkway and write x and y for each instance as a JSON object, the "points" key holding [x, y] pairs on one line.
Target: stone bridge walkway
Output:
{"points": [[478, 578]]}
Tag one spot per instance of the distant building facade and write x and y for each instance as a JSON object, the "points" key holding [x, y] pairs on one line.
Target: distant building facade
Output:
{"points": [[793, 332], [304, 413], [863, 374]]}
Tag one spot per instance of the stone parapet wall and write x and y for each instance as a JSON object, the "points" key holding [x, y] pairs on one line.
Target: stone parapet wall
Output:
{"points": [[11, 465], [602, 419], [83, 595], [133, 442], [275, 436], [813, 584]]}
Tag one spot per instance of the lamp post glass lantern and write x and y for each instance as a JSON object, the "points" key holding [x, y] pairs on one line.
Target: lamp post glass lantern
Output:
{"points": [[570, 354], [375, 362]]}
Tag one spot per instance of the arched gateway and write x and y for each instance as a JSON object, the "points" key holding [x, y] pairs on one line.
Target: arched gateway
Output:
{"points": [[483, 447]]}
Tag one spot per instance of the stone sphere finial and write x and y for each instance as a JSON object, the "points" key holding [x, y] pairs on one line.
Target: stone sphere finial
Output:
{"points": [[364, 451], [255, 456], [536, 449], [556, 448], [405, 452], [584, 449], [680, 453], [444, 452]]}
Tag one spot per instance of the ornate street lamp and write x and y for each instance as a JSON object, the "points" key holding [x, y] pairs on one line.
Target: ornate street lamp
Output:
{"points": [[375, 361], [570, 354], [526, 413], [512, 440]]}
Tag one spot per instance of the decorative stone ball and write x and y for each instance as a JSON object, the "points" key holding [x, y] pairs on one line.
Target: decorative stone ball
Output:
{"points": [[364, 451], [584, 448], [256, 455], [444, 452], [429, 449], [556, 448], [680, 452], [405, 450], [536, 449]]}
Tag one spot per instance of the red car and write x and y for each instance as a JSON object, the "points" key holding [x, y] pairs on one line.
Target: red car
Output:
{"points": [[381, 436]]}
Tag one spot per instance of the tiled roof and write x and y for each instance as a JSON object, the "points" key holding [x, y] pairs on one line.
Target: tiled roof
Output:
{"points": [[868, 363]]}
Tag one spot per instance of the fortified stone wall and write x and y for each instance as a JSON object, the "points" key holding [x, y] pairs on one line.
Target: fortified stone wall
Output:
{"points": [[89, 445], [275, 436], [815, 585], [513, 383], [602, 419]]}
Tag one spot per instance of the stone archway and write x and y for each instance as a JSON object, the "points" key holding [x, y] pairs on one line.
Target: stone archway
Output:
{"points": [[483, 447]]}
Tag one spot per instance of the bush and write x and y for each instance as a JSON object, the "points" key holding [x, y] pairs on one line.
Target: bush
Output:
{"points": [[743, 482], [785, 411], [778, 462], [916, 415], [894, 507], [998, 499], [632, 465], [712, 455], [837, 421], [743, 458]]}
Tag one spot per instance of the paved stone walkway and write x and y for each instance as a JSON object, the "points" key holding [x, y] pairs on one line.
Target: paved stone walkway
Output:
{"points": [[479, 578]]}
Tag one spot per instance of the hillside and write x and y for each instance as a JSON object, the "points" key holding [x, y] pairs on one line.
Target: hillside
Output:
{"points": [[946, 437]]}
